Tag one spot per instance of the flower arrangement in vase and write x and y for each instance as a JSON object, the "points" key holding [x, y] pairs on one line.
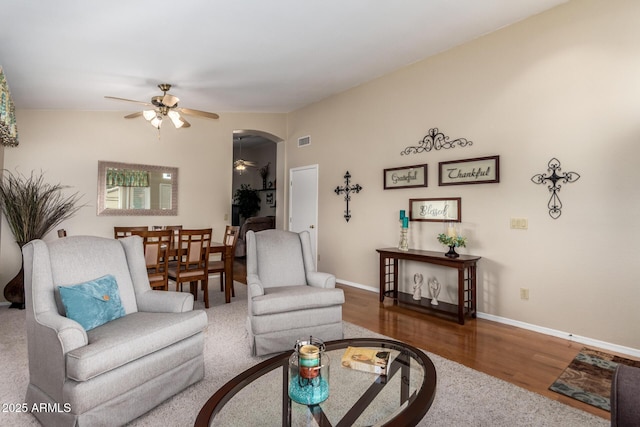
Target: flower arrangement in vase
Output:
{"points": [[452, 239]]}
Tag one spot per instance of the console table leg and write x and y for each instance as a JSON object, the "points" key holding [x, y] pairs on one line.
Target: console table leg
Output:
{"points": [[474, 294], [461, 302], [383, 266]]}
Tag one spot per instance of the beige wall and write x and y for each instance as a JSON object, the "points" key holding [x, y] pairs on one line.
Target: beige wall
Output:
{"points": [[562, 84], [66, 146]]}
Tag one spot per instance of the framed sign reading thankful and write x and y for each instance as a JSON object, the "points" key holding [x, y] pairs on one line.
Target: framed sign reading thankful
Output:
{"points": [[481, 170], [405, 177], [436, 210]]}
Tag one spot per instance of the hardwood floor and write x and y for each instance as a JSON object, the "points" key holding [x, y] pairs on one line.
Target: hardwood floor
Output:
{"points": [[527, 359]]}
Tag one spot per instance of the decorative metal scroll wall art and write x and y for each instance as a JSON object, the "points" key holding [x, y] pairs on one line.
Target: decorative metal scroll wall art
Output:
{"points": [[347, 190], [555, 205], [435, 140]]}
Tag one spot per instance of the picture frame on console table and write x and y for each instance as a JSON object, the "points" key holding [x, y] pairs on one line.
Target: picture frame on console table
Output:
{"points": [[480, 170], [436, 210], [405, 177]]}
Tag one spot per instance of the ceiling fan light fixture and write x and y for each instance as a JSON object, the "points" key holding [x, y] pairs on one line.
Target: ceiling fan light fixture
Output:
{"points": [[165, 105], [149, 114], [156, 122], [176, 119]]}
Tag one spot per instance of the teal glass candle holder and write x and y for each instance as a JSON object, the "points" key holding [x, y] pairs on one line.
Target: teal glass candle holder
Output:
{"points": [[309, 372]]}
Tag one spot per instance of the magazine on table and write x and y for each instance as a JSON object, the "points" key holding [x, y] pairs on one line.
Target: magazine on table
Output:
{"points": [[366, 359]]}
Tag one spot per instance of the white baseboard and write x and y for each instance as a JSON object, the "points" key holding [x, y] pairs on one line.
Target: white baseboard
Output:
{"points": [[4, 303], [535, 328]]}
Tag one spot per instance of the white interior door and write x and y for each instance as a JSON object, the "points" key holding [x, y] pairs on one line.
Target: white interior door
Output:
{"points": [[303, 202]]}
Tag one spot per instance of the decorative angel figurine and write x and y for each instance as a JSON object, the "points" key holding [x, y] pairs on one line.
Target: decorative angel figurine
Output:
{"points": [[434, 287], [417, 287]]}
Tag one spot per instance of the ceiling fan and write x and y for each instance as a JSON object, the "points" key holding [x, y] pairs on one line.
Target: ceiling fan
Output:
{"points": [[165, 105], [241, 165]]}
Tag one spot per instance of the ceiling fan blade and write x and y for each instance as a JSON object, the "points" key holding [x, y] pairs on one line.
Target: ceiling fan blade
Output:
{"points": [[170, 100], [133, 115], [127, 100], [186, 123], [198, 113]]}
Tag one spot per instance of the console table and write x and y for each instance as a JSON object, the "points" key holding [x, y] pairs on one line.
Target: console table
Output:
{"points": [[467, 277]]}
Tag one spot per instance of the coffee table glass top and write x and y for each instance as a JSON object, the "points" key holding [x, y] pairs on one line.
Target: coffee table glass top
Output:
{"points": [[259, 395]]}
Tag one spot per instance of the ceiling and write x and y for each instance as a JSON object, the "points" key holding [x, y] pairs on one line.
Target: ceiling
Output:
{"points": [[227, 55]]}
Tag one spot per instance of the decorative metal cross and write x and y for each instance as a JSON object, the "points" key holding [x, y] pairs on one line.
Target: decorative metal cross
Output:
{"points": [[347, 190], [555, 205]]}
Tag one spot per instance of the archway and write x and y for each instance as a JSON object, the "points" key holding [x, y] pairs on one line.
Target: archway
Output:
{"points": [[256, 166]]}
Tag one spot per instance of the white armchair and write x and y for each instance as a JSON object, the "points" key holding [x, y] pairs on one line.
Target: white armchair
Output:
{"points": [[288, 299], [115, 372]]}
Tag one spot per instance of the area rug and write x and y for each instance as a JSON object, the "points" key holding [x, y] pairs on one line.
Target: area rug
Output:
{"points": [[588, 377], [464, 397]]}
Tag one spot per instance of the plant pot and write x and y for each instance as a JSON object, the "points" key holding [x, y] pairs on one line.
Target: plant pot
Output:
{"points": [[14, 291], [452, 252]]}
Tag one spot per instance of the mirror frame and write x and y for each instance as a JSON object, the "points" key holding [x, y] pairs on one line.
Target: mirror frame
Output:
{"points": [[102, 210]]}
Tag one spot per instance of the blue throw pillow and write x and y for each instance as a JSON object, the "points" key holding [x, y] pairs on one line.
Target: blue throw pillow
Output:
{"points": [[93, 303]]}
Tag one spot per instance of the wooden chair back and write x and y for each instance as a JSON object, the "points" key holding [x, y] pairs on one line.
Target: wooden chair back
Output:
{"points": [[193, 259], [175, 229], [120, 232], [225, 265], [156, 246], [231, 234]]}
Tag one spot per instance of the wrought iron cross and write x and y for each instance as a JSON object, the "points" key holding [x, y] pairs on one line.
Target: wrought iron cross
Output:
{"points": [[347, 190], [555, 205]]}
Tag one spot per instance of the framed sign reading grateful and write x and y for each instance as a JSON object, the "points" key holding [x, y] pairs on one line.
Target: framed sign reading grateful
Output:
{"points": [[481, 170], [405, 177], [436, 210]]}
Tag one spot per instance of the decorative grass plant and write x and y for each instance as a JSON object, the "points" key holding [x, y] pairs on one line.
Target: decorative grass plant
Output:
{"points": [[33, 207]]}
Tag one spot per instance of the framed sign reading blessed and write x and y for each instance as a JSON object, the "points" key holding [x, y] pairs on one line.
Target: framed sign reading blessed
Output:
{"points": [[436, 210], [481, 170], [405, 177]]}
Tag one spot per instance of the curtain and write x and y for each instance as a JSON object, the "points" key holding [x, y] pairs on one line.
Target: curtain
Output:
{"points": [[8, 127], [127, 178]]}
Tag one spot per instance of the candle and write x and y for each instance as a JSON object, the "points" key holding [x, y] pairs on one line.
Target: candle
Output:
{"points": [[402, 214], [309, 360], [405, 222], [451, 231], [309, 355]]}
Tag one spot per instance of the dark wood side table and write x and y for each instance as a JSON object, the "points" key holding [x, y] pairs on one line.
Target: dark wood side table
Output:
{"points": [[467, 278]]}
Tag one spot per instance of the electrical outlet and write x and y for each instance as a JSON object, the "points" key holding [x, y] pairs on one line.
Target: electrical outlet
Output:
{"points": [[524, 293], [519, 223]]}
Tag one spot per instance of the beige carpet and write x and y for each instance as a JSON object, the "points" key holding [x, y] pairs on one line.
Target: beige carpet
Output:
{"points": [[464, 397]]}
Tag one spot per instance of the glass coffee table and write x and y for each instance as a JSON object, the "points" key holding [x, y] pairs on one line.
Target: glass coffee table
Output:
{"points": [[259, 396]]}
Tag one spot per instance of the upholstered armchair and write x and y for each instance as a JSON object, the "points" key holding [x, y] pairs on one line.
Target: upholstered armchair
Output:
{"points": [[288, 299], [625, 396], [115, 372]]}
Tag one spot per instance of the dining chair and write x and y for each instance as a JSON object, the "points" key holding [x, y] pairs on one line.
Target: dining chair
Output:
{"points": [[172, 248], [120, 232], [224, 266], [192, 261], [156, 248]]}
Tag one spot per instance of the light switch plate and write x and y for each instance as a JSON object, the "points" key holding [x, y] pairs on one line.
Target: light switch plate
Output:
{"points": [[519, 223]]}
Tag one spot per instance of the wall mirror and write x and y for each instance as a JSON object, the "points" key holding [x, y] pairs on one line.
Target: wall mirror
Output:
{"points": [[133, 189]]}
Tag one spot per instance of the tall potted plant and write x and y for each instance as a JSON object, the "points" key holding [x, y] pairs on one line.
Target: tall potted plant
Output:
{"points": [[248, 201], [32, 208]]}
